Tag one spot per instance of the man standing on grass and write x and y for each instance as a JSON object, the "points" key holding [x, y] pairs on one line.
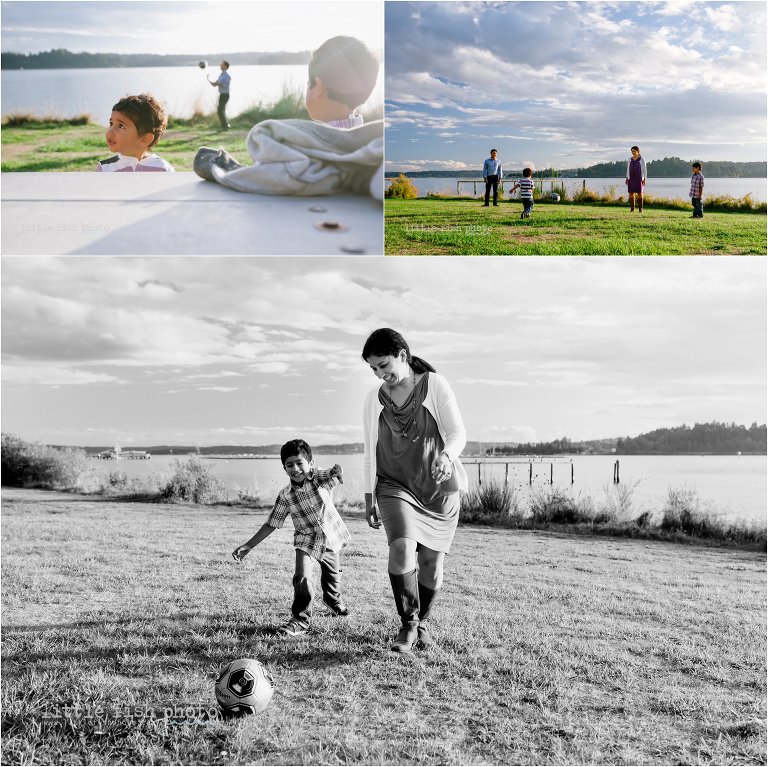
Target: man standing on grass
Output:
{"points": [[492, 176], [222, 83]]}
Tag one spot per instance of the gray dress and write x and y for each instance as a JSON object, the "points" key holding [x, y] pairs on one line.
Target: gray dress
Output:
{"points": [[411, 503]]}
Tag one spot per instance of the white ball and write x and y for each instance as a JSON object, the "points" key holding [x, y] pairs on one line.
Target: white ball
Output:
{"points": [[555, 197], [244, 686]]}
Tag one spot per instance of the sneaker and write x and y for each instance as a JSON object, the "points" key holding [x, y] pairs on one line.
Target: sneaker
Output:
{"points": [[339, 608], [206, 158], [294, 628]]}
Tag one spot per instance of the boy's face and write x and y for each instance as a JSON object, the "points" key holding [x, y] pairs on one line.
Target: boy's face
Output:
{"points": [[696, 170], [123, 137], [316, 96], [298, 468]]}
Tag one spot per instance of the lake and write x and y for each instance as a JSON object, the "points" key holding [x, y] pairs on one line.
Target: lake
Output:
{"points": [[734, 485], [70, 92], [661, 187]]}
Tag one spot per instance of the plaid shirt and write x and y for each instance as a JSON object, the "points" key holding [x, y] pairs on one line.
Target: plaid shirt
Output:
{"points": [[317, 523], [697, 185]]}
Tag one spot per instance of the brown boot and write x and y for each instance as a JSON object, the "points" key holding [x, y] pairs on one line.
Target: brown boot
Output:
{"points": [[405, 588]]}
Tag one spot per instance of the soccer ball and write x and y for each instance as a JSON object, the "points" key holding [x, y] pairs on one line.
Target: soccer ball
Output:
{"points": [[202, 64], [244, 687], [555, 197]]}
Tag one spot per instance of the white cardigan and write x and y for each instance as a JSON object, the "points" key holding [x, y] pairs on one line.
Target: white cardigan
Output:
{"points": [[441, 403]]}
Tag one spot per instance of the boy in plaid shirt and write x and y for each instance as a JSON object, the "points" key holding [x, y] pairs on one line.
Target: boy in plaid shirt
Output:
{"points": [[697, 191], [319, 534]]}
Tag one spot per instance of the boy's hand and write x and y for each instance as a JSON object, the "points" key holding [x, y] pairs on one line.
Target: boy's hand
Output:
{"points": [[337, 471], [239, 553]]}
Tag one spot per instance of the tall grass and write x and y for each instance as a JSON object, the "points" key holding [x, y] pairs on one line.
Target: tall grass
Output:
{"points": [[495, 503], [29, 120]]}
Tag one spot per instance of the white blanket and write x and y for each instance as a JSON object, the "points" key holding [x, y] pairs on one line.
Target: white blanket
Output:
{"points": [[307, 158]]}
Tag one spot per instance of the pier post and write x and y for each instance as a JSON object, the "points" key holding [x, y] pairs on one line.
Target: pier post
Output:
{"points": [[506, 473], [479, 478], [551, 473], [616, 473], [530, 473], [571, 472]]}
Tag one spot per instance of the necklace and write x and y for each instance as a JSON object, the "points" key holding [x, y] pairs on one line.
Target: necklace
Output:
{"points": [[410, 420]]}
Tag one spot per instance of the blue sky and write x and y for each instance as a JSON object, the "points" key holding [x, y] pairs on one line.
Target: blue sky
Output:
{"points": [[571, 84], [246, 351], [187, 27]]}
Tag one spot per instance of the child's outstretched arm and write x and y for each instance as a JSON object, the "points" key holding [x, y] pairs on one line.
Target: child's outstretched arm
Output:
{"points": [[337, 472], [263, 532]]}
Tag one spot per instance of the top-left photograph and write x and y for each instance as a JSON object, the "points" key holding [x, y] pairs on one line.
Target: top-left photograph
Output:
{"points": [[257, 128]]}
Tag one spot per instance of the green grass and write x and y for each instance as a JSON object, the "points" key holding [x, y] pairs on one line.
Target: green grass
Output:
{"points": [[551, 649], [31, 143], [430, 226]]}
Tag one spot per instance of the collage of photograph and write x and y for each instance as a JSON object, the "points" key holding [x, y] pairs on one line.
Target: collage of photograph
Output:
{"points": [[410, 409]]}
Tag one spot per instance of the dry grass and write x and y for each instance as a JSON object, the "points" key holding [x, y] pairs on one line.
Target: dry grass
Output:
{"points": [[550, 649]]}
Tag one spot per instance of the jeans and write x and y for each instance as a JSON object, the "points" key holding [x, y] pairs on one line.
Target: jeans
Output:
{"points": [[698, 211], [222, 110], [527, 207], [330, 581], [492, 182]]}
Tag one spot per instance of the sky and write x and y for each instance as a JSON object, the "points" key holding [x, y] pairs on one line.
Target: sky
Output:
{"points": [[572, 84], [242, 351], [186, 27]]}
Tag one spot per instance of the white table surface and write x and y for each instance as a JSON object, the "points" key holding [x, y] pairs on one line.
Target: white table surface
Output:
{"points": [[176, 214]]}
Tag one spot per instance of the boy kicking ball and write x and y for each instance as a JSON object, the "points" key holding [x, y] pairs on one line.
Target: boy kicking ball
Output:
{"points": [[320, 533], [525, 185]]}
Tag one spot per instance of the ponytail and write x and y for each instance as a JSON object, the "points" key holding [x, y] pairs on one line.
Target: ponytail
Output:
{"points": [[421, 366]]}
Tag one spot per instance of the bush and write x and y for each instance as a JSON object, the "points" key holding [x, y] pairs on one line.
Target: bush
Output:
{"points": [[192, 481], [27, 464], [555, 506], [492, 503], [402, 188]]}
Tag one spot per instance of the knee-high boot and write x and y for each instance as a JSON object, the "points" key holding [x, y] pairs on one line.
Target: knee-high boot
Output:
{"points": [[405, 588], [426, 599]]}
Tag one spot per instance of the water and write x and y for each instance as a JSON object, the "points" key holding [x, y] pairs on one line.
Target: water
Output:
{"points": [[659, 187], [70, 92], [732, 485]]}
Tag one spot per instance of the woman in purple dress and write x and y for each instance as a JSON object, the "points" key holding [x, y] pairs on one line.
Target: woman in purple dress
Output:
{"points": [[635, 181], [413, 435]]}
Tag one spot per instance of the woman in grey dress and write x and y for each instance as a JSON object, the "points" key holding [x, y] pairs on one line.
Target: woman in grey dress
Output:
{"points": [[413, 477]]}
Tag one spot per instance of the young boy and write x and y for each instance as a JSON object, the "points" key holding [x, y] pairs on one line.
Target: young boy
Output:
{"points": [[135, 126], [319, 534], [526, 192], [334, 152], [697, 190]]}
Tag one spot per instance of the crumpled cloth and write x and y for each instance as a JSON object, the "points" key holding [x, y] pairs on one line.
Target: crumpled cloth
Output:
{"points": [[307, 158]]}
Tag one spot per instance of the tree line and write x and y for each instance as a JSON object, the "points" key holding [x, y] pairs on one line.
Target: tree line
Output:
{"points": [[674, 167], [714, 438], [61, 58]]}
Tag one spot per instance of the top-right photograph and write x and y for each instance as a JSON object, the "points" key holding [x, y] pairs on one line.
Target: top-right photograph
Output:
{"points": [[575, 128]]}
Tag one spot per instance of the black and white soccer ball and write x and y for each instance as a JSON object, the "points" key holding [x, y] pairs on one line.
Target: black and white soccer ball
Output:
{"points": [[555, 197], [202, 64], [244, 686]]}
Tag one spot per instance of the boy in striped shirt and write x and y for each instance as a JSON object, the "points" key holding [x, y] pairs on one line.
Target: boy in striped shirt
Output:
{"points": [[526, 192], [320, 533]]}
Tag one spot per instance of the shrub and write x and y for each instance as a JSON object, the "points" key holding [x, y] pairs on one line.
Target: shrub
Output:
{"points": [[491, 503], [192, 481], [27, 464], [402, 188], [554, 505]]}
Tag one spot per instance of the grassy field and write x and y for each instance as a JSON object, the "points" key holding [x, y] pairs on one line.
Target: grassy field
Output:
{"points": [[49, 147], [463, 227], [552, 649]]}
